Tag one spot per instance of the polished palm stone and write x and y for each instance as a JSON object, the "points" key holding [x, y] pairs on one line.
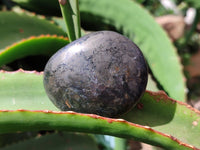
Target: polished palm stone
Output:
{"points": [[101, 73]]}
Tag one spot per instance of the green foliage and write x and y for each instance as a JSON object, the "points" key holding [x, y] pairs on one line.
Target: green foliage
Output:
{"points": [[168, 116], [154, 7], [22, 120], [45, 7], [58, 141], [17, 26], [17, 93], [71, 16], [24, 106], [13, 138], [155, 110], [41, 45], [146, 33], [193, 3]]}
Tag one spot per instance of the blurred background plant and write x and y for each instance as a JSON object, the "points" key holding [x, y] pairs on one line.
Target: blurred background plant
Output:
{"points": [[32, 30]]}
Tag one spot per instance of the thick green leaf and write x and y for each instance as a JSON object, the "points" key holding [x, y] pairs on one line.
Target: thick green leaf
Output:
{"points": [[24, 90], [166, 115], [13, 138], [17, 26], [136, 23], [20, 90], [22, 120], [42, 45], [56, 141], [45, 7]]}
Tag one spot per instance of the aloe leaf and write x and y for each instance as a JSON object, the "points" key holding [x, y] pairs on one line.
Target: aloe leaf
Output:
{"points": [[166, 115], [21, 100], [155, 110], [41, 45], [23, 120], [136, 23], [23, 90], [17, 26], [44, 7], [13, 138], [58, 141], [120, 143]]}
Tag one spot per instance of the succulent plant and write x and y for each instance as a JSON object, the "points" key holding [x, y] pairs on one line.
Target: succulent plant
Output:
{"points": [[101, 73], [30, 120]]}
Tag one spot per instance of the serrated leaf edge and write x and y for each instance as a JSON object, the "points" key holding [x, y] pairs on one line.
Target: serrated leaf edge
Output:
{"points": [[109, 120], [31, 38]]}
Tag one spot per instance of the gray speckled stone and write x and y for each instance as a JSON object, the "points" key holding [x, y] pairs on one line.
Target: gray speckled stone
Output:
{"points": [[102, 73]]}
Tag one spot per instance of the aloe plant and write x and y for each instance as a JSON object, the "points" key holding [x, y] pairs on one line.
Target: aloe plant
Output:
{"points": [[26, 112], [23, 48]]}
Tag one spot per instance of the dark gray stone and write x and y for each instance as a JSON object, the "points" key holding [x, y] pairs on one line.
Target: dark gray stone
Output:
{"points": [[101, 73]]}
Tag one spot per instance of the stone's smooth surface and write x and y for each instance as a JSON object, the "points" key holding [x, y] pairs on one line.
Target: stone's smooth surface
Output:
{"points": [[101, 73]]}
